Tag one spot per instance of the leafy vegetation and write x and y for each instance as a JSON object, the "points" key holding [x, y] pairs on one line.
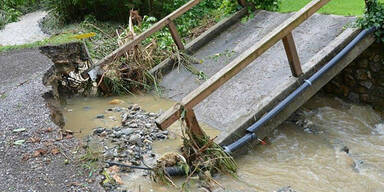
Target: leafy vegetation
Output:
{"points": [[374, 17], [337, 7], [11, 10]]}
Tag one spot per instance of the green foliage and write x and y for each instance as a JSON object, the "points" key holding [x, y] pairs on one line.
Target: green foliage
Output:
{"points": [[11, 10], [373, 17]]}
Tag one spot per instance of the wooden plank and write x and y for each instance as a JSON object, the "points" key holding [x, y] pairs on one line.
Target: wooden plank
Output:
{"points": [[175, 35], [156, 27], [293, 58], [192, 123], [241, 62]]}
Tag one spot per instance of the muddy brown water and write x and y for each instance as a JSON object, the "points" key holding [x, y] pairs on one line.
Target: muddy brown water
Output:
{"points": [[307, 159]]}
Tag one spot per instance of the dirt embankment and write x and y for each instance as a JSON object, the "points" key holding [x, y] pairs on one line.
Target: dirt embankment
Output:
{"points": [[35, 153]]}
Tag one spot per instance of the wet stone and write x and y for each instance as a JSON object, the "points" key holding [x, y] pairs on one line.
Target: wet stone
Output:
{"points": [[133, 125], [127, 131], [99, 130], [366, 84], [100, 116]]}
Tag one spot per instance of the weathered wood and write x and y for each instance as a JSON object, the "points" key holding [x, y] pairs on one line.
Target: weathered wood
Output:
{"points": [[175, 35], [192, 123], [241, 62], [243, 3], [156, 27], [293, 58]]}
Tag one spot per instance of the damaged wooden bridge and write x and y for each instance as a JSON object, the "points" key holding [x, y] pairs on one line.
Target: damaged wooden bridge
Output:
{"points": [[251, 66]]}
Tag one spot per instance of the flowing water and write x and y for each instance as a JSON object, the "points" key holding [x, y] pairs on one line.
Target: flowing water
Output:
{"points": [[308, 158]]}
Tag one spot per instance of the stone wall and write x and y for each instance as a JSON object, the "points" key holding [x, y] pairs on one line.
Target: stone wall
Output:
{"points": [[363, 80]]}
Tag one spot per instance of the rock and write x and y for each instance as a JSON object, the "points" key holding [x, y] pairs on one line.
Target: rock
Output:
{"points": [[363, 63], [116, 134], [361, 74], [148, 125], [100, 116], [353, 97], [376, 58], [161, 136], [127, 131], [135, 107], [135, 139], [124, 117], [375, 66], [164, 132], [133, 125], [152, 114], [286, 189], [366, 84], [99, 130]]}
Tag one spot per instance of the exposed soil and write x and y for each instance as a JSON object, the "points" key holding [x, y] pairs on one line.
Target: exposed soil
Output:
{"points": [[33, 154]]}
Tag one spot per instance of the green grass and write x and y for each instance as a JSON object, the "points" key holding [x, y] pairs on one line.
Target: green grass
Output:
{"points": [[337, 7], [54, 40]]}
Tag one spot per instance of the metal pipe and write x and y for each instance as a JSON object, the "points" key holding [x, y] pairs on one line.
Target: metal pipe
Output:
{"points": [[250, 135]]}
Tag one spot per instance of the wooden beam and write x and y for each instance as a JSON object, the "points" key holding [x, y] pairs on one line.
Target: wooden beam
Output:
{"points": [[175, 35], [293, 58], [240, 62], [192, 123], [156, 27]]}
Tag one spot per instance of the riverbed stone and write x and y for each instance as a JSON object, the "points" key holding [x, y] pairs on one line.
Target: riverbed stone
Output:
{"points": [[99, 130]]}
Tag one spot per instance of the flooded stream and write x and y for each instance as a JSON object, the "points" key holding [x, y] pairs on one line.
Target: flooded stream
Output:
{"points": [[308, 158]]}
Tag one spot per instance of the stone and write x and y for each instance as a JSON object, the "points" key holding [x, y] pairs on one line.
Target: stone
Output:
{"points": [[376, 58], [354, 97], [165, 132], [148, 125], [366, 84], [360, 89], [375, 66], [161, 136], [100, 116], [364, 98], [99, 130], [361, 74], [363, 63], [117, 134], [135, 139], [152, 114], [127, 131], [135, 107], [133, 125], [349, 80]]}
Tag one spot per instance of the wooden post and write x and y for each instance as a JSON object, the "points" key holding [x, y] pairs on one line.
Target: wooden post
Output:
{"points": [[242, 3], [293, 58], [175, 35], [192, 123]]}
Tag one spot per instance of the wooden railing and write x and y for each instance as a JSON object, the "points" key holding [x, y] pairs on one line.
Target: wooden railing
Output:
{"points": [[166, 21], [282, 32]]}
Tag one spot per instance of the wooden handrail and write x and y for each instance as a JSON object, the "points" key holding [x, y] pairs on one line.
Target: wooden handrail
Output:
{"points": [[138, 39], [235, 66]]}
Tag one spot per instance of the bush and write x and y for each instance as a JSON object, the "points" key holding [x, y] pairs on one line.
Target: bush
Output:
{"points": [[118, 10], [373, 17]]}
